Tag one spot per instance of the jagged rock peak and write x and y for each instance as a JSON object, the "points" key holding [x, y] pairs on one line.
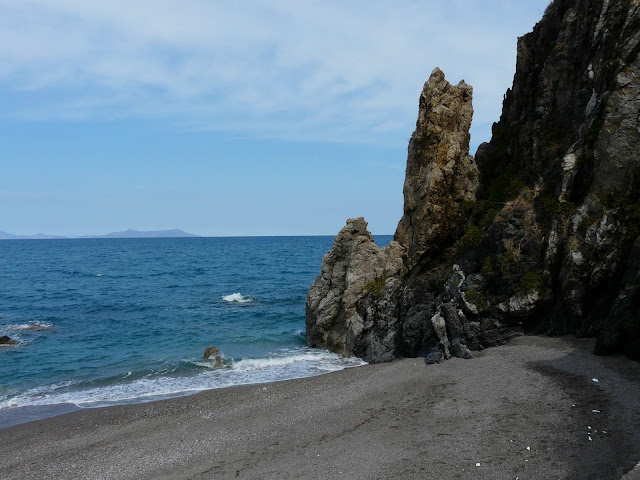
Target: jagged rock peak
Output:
{"points": [[440, 172]]}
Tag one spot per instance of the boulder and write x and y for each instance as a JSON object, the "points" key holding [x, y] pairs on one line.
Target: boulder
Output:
{"points": [[213, 351]]}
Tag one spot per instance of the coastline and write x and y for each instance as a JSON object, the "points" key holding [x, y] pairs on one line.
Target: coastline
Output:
{"points": [[397, 420]]}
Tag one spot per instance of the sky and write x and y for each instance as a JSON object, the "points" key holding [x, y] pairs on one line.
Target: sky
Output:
{"points": [[231, 118]]}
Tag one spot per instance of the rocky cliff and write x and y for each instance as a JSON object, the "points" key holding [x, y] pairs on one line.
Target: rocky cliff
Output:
{"points": [[541, 233]]}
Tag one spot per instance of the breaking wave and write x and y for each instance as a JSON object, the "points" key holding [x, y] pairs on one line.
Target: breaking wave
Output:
{"points": [[237, 298], [32, 326], [192, 376]]}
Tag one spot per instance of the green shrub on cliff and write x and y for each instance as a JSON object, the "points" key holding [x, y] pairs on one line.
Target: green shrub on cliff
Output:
{"points": [[507, 184], [531, 282], [479, 299], [471, 238], [376, 286]]}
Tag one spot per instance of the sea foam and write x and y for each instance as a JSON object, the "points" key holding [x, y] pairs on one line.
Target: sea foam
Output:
{"points": [[237, 298], [283, 365], [33, 326]]}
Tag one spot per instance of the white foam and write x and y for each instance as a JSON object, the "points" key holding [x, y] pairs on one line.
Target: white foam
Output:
{"points": [[284, 365], [321, 359], [35, 326], [237, 298]]}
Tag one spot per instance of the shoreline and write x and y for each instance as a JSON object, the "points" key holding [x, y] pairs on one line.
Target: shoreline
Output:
{"points": [[397, 420], [294, 364]]}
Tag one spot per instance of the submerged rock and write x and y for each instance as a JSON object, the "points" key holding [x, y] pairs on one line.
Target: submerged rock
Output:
{"points": [[39, 327], [5, 340]]}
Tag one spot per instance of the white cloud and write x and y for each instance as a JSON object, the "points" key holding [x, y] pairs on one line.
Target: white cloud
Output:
{"points": [[316, 70]]}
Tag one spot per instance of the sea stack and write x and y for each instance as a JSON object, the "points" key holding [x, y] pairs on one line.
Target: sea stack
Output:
{"points": [[353, 306], [541, 233]]}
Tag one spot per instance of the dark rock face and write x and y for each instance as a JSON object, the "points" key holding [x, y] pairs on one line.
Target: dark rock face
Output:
{"points": [[569, 142], [542, 236]]}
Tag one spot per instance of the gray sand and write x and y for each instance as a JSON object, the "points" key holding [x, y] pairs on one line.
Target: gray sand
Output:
{"points": [[519, 411]]}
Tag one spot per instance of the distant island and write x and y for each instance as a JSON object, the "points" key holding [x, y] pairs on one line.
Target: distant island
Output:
{"points": [[125, 234]]}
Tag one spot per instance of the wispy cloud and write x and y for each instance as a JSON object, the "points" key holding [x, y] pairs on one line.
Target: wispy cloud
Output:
{"points": [[317, 70]]}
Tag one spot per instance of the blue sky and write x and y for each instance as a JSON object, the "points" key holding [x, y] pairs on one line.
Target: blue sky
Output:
{"points": [[230, 118]]}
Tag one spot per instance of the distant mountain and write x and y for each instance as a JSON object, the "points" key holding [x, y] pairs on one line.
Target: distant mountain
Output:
{"points": [[150, 234], [38, 236], [126, 234]]}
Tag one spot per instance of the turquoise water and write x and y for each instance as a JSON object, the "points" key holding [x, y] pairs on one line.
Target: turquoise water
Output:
{"points": [[109, 321]]}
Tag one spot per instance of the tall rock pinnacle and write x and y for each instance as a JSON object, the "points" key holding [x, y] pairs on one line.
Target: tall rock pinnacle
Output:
{"points": [[440, 172]]}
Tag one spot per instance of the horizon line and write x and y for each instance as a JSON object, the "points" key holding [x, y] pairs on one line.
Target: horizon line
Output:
{"points": [[192, 236]]}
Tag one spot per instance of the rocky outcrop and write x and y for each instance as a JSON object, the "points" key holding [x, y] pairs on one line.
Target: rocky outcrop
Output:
{"points": [[567, 148], [542, 236], [352, 307]]}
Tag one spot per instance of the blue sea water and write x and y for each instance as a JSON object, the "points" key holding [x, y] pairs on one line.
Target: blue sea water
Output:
{"points": [[109, 321]]}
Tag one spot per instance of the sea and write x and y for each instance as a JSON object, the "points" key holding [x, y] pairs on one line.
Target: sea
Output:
{"points": [[104, 322]]}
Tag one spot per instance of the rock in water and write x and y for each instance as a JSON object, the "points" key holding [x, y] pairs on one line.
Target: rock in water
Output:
{"points": [[440, 172], [5, 340], [213, 351]]}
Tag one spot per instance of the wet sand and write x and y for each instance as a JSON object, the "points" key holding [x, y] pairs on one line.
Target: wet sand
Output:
{"points": [[522, 411]]}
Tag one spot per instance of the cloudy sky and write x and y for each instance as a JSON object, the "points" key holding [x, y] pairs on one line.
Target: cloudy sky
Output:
{"points": [[230, 117]]}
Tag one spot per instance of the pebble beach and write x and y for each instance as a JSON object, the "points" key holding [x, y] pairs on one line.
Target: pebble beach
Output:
{"points": [[532, 409]]}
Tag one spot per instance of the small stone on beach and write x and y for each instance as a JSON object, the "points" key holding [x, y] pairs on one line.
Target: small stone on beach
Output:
{"points": [[595, 380]]}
